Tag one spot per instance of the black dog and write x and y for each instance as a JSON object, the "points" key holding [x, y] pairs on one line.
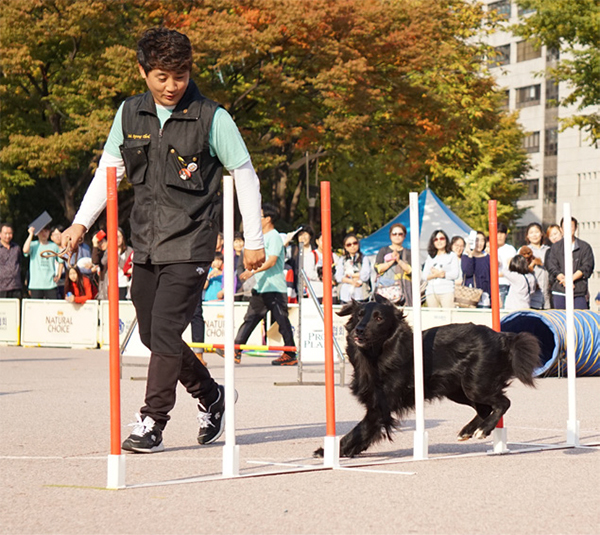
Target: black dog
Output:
{"points": [[469, 364]]}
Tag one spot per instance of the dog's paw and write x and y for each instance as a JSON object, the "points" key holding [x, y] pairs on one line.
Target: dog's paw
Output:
{"points": [[319, 452], [479, 434], [462, 438]]}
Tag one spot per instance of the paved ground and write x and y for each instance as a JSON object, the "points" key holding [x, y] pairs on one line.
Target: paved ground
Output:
{"points": [[55, 439]]}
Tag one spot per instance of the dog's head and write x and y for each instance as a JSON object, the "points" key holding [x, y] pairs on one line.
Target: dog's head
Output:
{"points": [[371, 324]]}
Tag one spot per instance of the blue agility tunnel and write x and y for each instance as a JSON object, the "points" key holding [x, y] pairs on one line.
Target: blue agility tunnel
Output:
{"points": [[550, 328]]}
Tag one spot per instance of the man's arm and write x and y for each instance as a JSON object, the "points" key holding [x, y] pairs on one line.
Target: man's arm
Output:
{"points": [[27, 244], [268, 264]]}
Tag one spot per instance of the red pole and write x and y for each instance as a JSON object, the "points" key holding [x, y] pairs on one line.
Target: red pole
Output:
{"points": [[112, 224], [328, 306], [494, 284]]}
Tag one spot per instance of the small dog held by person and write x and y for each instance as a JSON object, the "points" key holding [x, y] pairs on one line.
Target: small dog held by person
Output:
{"points": [[466, 363]]}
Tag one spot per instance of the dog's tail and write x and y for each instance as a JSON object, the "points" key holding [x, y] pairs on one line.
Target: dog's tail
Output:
{"points": [[524, 356]]}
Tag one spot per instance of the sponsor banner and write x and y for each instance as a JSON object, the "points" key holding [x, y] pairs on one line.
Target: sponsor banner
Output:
{"points": [[9, 321], [126, 316], [57, 323]]}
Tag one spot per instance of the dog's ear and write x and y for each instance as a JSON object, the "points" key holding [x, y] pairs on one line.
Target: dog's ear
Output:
{"points": [[382, 300], [348, 308]]}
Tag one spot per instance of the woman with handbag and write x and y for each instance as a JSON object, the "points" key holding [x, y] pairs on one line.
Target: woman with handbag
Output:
{"points": [[353, 272], [476, 274], [440, 271], [393, 268]]}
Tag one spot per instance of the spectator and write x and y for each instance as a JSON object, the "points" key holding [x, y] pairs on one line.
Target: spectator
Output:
{"points": [[522, 284], [10, 264], [270, 291], [124, 253], [55, 236], [554, 233], [441, 270], [583, 267], [78, 288], [540, 298], [457, 246], [238, 262], [393, 266], [100, 265], [353, 272], [306, 244], [505, 253], [43, 271], [213, 287], [315, 273], [534, 236], [476, 269]]}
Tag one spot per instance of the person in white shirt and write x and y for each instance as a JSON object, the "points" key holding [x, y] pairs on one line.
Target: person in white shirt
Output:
{"points": [[441, 270], [505, 254], [522, 284]]}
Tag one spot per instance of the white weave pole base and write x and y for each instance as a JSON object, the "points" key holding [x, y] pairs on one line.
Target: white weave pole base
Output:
{"points": [[331, 452], [115, 472], [231, 452], [499, 440]]}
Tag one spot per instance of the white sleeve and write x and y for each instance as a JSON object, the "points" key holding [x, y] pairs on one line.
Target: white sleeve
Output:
{"points": [[95, 198], [247, 189]]}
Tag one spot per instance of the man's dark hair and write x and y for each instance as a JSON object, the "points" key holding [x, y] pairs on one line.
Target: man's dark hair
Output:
{"points": [[562, 222], [164, 49], [502, 227], [6, 224], [269, 210]]}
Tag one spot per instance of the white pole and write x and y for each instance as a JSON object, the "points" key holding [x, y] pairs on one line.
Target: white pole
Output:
{"points": [[420, 450], [572, 423], [231, 453]]}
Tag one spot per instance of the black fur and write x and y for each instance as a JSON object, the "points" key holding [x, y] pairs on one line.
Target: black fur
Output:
{"points": [[469, 364]]}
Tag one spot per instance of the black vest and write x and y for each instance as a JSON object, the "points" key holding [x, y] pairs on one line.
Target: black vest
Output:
{"points": [[176, 182]]}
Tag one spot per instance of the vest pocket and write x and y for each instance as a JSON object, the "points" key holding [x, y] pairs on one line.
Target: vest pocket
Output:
{"points": [[135, 156], [183, 172]]}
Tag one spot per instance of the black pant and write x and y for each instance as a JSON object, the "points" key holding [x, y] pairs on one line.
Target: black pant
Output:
{"points": [[198, 323], [165, 297], [11, 294], [257, 309]]}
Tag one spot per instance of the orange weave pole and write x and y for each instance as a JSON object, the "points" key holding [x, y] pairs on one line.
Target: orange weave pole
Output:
{"points": [[328, 306], [494, 284], [112, 224]]}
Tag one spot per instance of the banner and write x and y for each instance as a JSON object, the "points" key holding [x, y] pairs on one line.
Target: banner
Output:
{"points": [[57, 323], [9, 321]]}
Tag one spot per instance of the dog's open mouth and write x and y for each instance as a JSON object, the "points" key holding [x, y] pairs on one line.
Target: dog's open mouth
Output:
{"points": [[359, 340]]}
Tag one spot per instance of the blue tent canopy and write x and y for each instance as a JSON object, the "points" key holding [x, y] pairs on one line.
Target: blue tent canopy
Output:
{"points": [[433, 215]]}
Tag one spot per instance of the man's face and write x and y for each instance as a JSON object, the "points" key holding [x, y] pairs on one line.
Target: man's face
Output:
{"points": [[501, 239], [166, 87], [6, 235]]}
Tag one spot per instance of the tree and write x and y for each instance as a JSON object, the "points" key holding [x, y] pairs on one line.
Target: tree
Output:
{"points": [[378, 93], [573, 28]]}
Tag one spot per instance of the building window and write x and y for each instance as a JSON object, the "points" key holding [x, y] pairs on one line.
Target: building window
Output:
{"points": [[551, 93], [531, 142], [501, 56], [505, 102], [528, 96], [526, 51], [552, 54], [502, 8], [551, 142], [526, 10], [532, 190], [550, 189]]}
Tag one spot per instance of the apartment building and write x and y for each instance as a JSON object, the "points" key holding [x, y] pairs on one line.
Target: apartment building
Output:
{"points": [[565, 166]]}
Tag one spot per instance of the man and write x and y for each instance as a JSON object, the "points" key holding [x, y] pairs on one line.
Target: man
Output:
{"points": [[270, 291], [10, 264], [44, 272], [505, 254], [173, 143], [583, 267]]}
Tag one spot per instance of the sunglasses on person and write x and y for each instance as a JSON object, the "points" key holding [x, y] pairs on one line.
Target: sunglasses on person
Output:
{"points": [[397, 233], [351, 243], [440, 238]]}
